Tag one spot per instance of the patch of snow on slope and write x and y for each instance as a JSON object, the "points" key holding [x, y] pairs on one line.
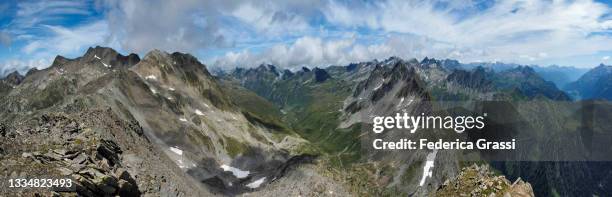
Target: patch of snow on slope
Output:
{"points": [[198, 112], [400, 103], [257, 183], [151, 77], [428, 168], [183, 119], [96, 56], [238, 173], [106, 65], [378, 87], [176, 150]]}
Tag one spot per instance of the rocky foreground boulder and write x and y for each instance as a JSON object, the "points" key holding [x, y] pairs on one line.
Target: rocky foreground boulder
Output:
{"points": [[103, 154], [480, 181]]}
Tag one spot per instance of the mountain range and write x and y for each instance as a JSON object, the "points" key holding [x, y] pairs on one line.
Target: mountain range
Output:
{"points": [[163, 125]]}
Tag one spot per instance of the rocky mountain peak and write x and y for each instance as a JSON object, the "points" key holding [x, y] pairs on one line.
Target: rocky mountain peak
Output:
{"points": [[427, 61], [602, 68], [287, 74], [60, 60], [268, 68], [477, 78], [451, 64], [156, 54], [162, 60], [593, 84], [106, 55], [13, 78], [320, 75]]}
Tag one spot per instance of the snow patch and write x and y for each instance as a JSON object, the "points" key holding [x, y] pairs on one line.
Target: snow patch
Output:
{"points": [[153, 90], [151, 77], [183, 119], [206, 105], [96, 56], [171, 88], [377, 87], [179, 159], [238, 173], [429, 164], [176, 150], [182, 164], [257, 183], [106, 65], [198, 112], [400, 103]]}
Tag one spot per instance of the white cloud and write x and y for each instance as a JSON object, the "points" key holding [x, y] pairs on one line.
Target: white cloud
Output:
{"points": [[508, 31], [22, 66], [30, 14], [140, 26], [320, 33], [270, 20], [71, 42], [605, 58], [65, 41], [315, 51], [304, 51]]}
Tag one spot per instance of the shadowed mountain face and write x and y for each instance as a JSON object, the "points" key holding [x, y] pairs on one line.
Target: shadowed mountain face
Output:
{"points": [[595, 84]]}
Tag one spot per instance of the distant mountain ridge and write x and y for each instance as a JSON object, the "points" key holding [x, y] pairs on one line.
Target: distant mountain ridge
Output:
{"points": [[595, 84]]}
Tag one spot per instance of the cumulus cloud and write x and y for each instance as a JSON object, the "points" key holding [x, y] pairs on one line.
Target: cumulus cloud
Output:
{"points": [[192, 25], [314, 51], [141, 26], [304, 51], [22, 66], [507, 30], [510, 31]]}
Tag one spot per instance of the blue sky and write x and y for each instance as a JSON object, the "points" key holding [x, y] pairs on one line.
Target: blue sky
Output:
{"points": [[292, 34]]}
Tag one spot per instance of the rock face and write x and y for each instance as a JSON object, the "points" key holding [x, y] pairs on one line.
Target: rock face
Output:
{"points": [[480, 181]]}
